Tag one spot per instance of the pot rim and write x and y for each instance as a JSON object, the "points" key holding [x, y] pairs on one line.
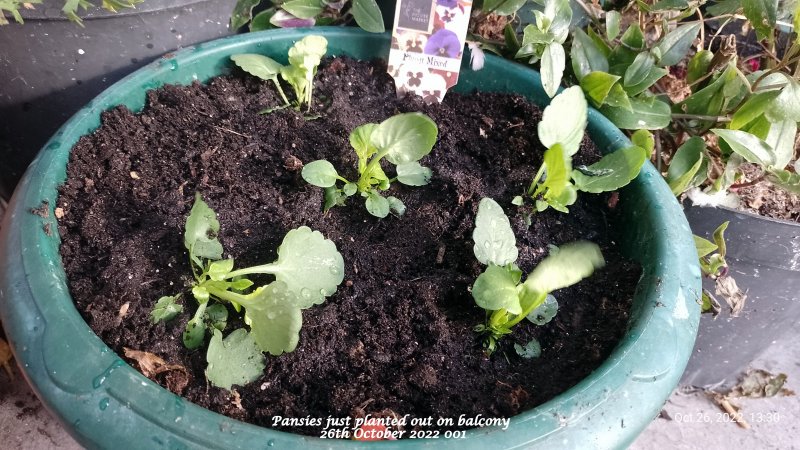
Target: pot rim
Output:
{"points": [[88, 387]]}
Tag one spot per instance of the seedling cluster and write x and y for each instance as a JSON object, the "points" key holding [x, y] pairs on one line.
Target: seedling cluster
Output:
{"points": [[304, 58], [308, 269], [500, 289], [402, 140], [556, 183]]}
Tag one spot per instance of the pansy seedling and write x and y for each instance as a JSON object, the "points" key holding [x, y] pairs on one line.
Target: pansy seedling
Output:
{"points": [[308, 269], [402, 140], [556, 183], [500, 289], [304, 58]]}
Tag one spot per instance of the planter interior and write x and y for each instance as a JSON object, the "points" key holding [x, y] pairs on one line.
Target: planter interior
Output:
{"points": [[764, 259], [103, 401]]}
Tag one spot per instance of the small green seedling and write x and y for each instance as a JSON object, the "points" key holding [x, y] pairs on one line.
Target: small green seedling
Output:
{"points": [[500, 289], [556, 184], [402, 139], [308, 269], [304, 58], [711, 257]]}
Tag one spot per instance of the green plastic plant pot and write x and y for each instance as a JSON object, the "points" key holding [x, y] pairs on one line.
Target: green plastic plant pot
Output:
{"points": [[105, 403]]}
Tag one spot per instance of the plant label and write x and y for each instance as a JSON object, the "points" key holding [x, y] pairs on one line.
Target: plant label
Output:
{"points": [[427, 46]]}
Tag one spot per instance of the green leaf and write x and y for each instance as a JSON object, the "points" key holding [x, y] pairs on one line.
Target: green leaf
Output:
{"points": [[377, 205], [494, 239], [763, 15], [240, 284], [405, 137], [704, 246], [242, 13], [655, 74], [333, 197], [676, 44], [496, 289], [597, 85], [723, 7], [309, 265], [785, 180], [217, 270], [166, 309], [302, 9], [573, 262], [217, 316], [413, 174], [644, 115], [544, 313], [261, 21], [781, 138], [503, 7], [368, 16], [787, 105], [320, 173], [200, 237], [233, 360], [645, 140], [560, 14], [558, 171], [663, 5], [585, 55], [258, 65], [698, 65], [531, 350], [396, 205], [552, 67], [685, 164], [564, 120], [360, 140], [612, 24], [719, 238], [350, 189], [275, 320], [195, 330], [617, 169], [517, 201], [751, 148], [638, 71], [633, 38], [752, 108]]}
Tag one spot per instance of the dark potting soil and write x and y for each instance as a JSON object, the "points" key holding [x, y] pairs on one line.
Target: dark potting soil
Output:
{"points": [[397, 336]]}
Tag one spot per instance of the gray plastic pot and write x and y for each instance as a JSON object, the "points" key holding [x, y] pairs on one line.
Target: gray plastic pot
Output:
{"points": [[103, 402], [764, 259], [51, 67]]}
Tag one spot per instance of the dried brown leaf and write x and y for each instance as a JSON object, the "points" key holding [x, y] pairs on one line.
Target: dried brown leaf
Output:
{"points": [[727, 288]]}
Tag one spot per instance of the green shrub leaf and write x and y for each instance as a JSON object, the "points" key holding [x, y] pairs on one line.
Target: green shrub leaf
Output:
{"points": [[751, 148], [685, 164], [166, 309], [781, 138], [614, 170], [368, 15], [552, 67], [644, 115], [258, 65], [676, 44], [586, 56]]}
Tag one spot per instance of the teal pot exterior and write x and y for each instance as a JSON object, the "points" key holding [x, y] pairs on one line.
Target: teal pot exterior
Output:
{"points": [[105, 403], [51, 67], [763, 255]]}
